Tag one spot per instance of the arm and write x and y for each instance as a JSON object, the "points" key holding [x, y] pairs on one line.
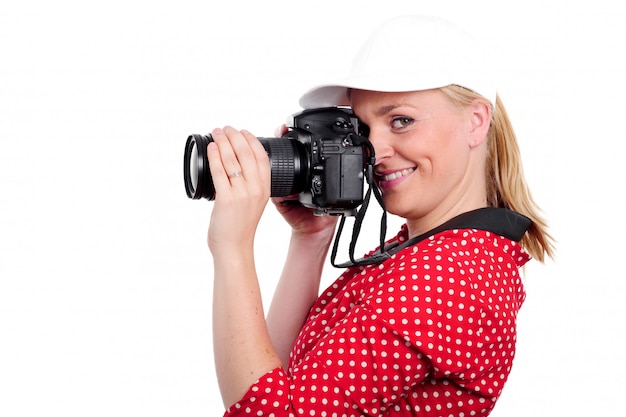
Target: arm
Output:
{"points": [[299, 283], [242, 347], [297, 289]]}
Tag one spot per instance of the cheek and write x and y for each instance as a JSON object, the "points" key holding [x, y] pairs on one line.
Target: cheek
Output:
{"points": [[449, 154], [438, 149], [435, 145]]}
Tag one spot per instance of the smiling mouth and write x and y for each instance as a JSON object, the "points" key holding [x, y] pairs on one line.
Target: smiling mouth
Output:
{"points": [[397, 174]]}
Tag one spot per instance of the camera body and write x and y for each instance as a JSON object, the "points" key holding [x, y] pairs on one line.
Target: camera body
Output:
{"points": [[335, 177], [322, 158]]}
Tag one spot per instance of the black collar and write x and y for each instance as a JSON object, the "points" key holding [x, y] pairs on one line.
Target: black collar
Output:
{"points": [[501, 221]]}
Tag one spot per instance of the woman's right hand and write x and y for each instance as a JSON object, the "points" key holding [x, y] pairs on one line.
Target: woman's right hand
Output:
{"points": [[302, 220]]}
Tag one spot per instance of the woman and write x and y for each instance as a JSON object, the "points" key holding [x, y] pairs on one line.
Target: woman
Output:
{"points": [[429, 331]]}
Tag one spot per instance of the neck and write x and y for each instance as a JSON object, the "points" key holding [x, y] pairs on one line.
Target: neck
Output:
{"points": [[468, 197]]}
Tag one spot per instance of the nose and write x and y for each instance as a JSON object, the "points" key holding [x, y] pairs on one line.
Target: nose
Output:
{"points": [[382, 145]]}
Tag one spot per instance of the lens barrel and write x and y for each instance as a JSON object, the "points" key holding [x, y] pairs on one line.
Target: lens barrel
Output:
{"points": [[289, 164]]}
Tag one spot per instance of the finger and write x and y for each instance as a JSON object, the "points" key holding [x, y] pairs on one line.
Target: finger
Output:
{"points": [[230, 143], [224, 141], [243, 146], [260, 155], [281, 130], [216, 166]]}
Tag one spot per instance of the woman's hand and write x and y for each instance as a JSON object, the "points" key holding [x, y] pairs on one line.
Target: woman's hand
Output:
{"points": [[302, 220], [241, 175]]}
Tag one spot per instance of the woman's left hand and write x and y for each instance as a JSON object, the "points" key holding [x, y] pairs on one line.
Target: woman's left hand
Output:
{"points": [[241, 175]]}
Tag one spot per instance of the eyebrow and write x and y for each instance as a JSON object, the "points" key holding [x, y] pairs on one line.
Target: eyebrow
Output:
{"points": [[389, 108]]}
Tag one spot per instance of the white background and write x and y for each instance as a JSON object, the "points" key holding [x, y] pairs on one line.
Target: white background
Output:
{"points": [[105, 291]]}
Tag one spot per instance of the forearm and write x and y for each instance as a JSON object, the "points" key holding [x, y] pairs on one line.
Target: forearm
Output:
{"points": [[297, 289], [242, 347]]}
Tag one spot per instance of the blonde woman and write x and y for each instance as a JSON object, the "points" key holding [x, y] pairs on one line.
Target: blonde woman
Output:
{"points": [[431, 330]]}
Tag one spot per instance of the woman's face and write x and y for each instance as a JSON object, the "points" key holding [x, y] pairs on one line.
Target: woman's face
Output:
{"points": [[429, 153]]}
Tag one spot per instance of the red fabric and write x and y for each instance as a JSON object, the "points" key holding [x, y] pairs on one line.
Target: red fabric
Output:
{"points": [[429, 332]]}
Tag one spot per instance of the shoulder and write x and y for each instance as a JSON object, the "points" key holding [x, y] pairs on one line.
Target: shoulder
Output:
{"points": [[458, 282], [455, 267]]}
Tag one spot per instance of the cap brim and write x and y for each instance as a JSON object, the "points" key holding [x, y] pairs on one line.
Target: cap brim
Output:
{"points": [[325, 96], [336, 94]]}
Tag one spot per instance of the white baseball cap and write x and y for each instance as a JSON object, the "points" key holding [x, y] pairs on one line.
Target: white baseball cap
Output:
{"points": [[412, 53]]}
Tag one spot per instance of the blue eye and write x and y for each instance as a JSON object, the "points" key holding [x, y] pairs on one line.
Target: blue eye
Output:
{"points": [[401, 122]]}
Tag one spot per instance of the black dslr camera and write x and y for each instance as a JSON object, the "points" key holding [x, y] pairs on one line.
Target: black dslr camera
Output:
{"points": [[322, 158]]}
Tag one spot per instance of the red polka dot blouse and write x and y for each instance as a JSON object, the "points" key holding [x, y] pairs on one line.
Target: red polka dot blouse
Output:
{"points": [[429, 332]]}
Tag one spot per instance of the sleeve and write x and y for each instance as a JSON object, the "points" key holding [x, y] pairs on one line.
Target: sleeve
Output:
{"points": [[360, 367], [268, 396]]}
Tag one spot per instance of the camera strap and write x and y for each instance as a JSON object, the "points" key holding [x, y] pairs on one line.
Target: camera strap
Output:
{"points": [[360, 214], [501, 221], [356, 230]]}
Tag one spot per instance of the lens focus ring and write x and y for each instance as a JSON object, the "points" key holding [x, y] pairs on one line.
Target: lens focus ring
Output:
{"points": [[286, 166]]}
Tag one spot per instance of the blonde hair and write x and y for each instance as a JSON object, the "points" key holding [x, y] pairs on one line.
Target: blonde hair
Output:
{"points": [[506, 185]]}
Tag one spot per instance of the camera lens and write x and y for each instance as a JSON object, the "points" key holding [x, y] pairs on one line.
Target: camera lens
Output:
{"points": [[289, 164], [193, 169], [198, 181]]}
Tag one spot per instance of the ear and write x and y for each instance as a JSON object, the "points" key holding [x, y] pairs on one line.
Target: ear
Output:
{"points": [[480, 120]]}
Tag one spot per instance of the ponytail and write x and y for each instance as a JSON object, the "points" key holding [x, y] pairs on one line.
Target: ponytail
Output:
{"points": [[506, 185]]}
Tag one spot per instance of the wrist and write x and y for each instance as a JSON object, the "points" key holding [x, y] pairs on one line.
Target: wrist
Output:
{"points": [[231, 254]]}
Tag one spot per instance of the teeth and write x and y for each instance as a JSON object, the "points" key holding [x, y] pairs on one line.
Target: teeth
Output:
{"points": [[398, 174]]}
